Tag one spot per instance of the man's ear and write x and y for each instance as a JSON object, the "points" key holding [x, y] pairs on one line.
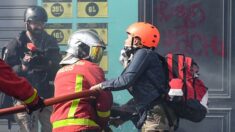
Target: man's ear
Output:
{"points": [[137, 42]]}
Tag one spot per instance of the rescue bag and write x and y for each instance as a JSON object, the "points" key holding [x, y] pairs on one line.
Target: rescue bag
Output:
{"points": [[187, 94]]}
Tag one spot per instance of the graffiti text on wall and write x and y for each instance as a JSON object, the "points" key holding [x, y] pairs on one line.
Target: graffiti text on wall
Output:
{"points": [[186, 29]]}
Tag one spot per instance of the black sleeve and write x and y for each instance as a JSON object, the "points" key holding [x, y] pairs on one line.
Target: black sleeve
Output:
{"points": [[136, 67], [12, 56]]}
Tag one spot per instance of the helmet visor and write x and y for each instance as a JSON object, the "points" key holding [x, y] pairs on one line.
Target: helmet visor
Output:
{"points": [[96, 53]]}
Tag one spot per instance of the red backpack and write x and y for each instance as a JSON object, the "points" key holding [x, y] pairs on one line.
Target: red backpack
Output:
{"points": [[187, 95]]}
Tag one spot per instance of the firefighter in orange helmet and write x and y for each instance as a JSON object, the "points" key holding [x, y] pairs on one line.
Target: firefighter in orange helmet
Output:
{"points": [[143, 77], [79, 73], [19, 88]]}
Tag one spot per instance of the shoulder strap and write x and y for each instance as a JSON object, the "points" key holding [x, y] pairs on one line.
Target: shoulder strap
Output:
{"points": [[172, 64], [184, 68], [170, 120], [165, 66]]}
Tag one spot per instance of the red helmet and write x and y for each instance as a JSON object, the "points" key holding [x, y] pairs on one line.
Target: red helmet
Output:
{"points": [[148, 34]]}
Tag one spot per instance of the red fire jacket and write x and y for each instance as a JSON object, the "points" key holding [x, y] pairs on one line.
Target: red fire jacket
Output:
{"points": [[80, 114], [15, 86]]}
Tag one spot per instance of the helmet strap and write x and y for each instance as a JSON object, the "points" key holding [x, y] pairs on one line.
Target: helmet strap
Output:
{"points": [[36, 40], [29, 32], [132, 42], [132, 49]]}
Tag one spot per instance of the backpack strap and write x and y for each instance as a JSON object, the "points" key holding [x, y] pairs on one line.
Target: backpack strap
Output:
{"points": [[194, 89], [171, 64], [184, 63], [175, 67], [165, 67], [166, 106], [170, 121], [184, 68]]}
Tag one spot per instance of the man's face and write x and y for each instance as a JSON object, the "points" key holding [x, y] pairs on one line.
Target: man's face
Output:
{"points": [[36, 27], [127, 42]]}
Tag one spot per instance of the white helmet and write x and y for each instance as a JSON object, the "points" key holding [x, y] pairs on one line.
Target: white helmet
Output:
{"points": [[84, 44]]}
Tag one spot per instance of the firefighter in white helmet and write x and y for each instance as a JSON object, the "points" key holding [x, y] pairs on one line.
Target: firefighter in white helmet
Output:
{"points": [[79, 72]]}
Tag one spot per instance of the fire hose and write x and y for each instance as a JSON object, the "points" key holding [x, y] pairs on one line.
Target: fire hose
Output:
{"points": [[51, 101]]}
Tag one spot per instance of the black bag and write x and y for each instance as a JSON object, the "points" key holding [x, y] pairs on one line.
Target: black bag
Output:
{"points": [[192, 111]]}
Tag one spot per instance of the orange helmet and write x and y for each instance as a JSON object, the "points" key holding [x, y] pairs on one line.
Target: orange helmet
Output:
{"points": [[148, 34]]}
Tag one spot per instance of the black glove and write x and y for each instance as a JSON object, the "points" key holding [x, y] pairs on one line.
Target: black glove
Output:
{"points": [[27, 58], [26, 62], [40, 105]]}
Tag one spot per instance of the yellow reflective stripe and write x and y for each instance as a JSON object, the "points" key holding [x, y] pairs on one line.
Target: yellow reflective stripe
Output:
{"points": [[75, 102], [70, 122], [103, 114], [31, 98]]}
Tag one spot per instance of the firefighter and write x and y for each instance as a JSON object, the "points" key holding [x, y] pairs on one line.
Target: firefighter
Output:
{"points": [[143, 76], [19, 88], [38, 65], [79, 73]]}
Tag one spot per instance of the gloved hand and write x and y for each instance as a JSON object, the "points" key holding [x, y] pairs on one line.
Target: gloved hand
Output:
{"points": [[33, 107], [96, 87], [25, 62]]}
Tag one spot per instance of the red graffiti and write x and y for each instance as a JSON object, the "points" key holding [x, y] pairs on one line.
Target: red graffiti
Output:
{"points": [[162, 11], [193, 43], [190, 16], [185, 30]]}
